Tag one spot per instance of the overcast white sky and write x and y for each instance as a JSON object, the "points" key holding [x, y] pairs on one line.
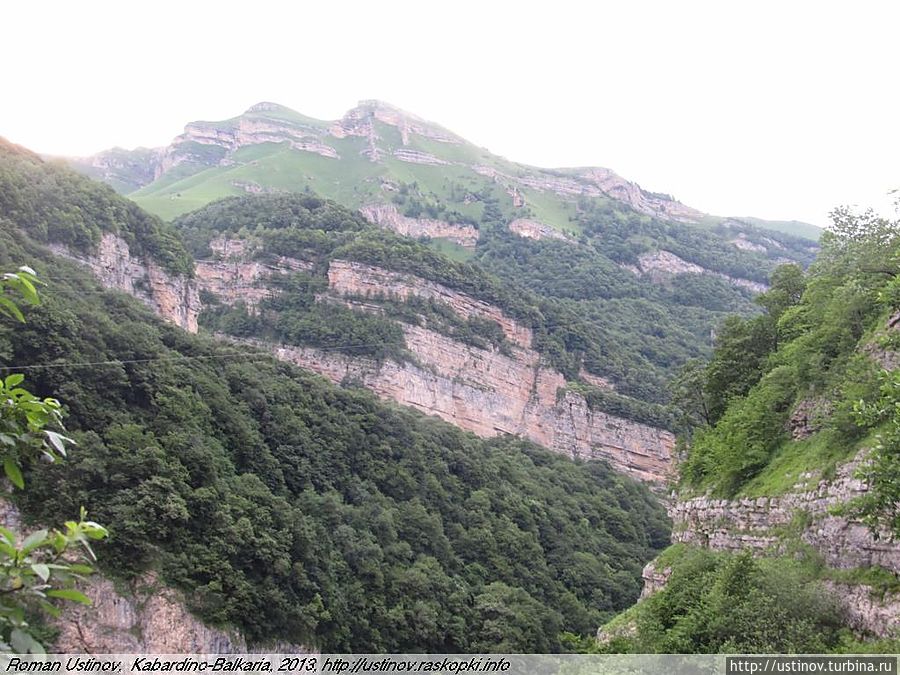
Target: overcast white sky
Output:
{"points": [[773, 109]]}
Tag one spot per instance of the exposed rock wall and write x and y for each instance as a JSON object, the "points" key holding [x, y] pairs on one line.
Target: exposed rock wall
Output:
{"points": [[359, 279], [532, 229], [148, 618], [144, 616], [387, 216], [233, 277], [764, 524], [174, 298], [484, 391], [759, 523], [597, 182], [659, 266]]}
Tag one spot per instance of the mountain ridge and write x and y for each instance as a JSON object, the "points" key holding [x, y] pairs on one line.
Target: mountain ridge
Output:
{"points": [[381, 133]]}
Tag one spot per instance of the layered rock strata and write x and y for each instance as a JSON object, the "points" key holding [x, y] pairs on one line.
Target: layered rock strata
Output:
{"points": [[174, 297], [760, 523], [484, 391], [659, 266], [388, 217]]}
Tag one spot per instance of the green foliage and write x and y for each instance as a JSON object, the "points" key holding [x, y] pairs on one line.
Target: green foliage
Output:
{"points": [[811, 344], [292, 509], [43, 566], [60, 206], [732, 603], [880, 506]]}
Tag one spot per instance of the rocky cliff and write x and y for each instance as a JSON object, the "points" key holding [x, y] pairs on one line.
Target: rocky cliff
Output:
{"points": [[811, 516], [659, 266], [174, 298], [233, 276], [142, 616], [484, 391], [387, 216]]}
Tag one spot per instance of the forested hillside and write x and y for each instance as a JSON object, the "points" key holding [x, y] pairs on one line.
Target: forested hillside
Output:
{"points": [[793, 458], [285, 506], [626, 282]]}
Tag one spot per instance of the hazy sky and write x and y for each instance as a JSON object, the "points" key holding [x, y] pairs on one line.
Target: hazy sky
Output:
{"points": [[774, 109]]}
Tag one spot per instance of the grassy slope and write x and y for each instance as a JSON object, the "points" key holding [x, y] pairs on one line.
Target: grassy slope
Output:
{"points": [[345, 179]]}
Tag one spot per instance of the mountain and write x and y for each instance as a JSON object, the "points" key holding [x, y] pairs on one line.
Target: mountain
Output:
{"points": [[277, 505], [628, 286], [389, 162], [793, 458]]}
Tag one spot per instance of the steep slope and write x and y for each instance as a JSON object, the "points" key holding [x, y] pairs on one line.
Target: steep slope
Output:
{"points": [[794, 455], [282, 505], [405, 171]]}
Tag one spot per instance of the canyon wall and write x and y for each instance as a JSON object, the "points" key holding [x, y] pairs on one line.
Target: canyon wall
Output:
{"points": [[659, 266], [175, 298], [809, 515], [812, 515], [387, 216], [484, 391]]}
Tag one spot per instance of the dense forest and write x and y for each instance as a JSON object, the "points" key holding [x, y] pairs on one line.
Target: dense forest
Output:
{"points": [[826, 344], [296, 510], [586, 311], [824, 341]]}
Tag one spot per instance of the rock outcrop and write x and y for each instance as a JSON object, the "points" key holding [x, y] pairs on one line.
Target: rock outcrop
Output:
{"points": [[150, 618], [766, 525], [660, 266], [143, 616], [760, 523], [388, 217], [232, 276], [175, 298], [596, 182], [532, 229], [484, 391]]}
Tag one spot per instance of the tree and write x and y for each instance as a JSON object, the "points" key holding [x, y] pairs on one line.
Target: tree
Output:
{"points": [[40, 567]]}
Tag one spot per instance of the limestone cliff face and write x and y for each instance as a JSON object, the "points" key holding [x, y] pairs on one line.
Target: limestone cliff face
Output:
{"points": [[387, 216], [484, 391], [232, 276], [245, 131], [597, 182], [809, 514], [722, 524], [659, 266], [358, 279], [359, 122], [148, 617], [144, 616], [174, 298]]}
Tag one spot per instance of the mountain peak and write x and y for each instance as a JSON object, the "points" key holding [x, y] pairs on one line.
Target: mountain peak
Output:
{"points": [[265, 106]]}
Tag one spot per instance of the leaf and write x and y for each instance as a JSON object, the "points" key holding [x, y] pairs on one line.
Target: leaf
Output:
{"points": [[21, 641], [14, 380], [10, 308], [70, 594], [33, 540], [8, 535], [13, 472], [42, 571], [58, 441]]}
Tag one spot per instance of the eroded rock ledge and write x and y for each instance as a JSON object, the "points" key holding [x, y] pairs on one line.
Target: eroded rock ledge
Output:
{"points": [[764, 525], [175, 298], [483, 391], [387, 216]]}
